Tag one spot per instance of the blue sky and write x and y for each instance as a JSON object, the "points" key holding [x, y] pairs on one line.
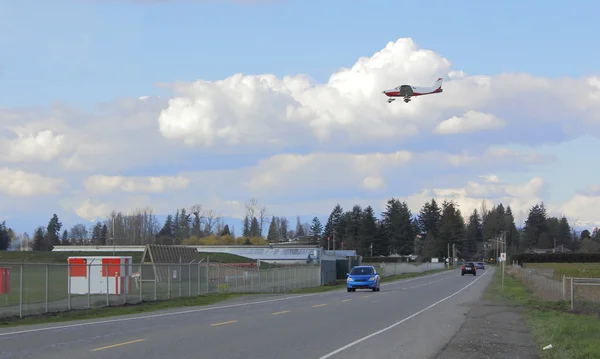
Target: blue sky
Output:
{"points": [[85, 55]]}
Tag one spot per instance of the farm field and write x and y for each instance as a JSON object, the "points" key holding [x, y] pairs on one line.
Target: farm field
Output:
{"points": [[578, 270]]}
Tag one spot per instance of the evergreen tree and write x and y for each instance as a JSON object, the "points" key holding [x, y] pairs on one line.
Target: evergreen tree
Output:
{"points": [[225, 231], [474, 236], [452, 228], [246, 227], [53, 233], [273, 234], [535, 225], [398, 227], [369, 235], [39, 240], [332, 225], [255, 228], [352, 228], [316, 229], [5, 237]]}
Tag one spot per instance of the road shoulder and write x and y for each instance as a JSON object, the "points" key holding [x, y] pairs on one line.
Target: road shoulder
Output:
{"points": [[492, 329]]}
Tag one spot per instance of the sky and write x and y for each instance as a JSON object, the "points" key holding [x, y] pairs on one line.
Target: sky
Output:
{"points": [[125, 104]]}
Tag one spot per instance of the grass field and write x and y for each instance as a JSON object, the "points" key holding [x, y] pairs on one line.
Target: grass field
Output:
{"points": [[577, 270], [573, 336]]}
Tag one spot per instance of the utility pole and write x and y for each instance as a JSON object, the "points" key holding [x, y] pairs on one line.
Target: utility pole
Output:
{"points": [[333, 242], [453, 252], [448, 254], [371, 250], [113, 234]]}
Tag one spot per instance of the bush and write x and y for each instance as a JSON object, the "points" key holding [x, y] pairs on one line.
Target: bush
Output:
{"points": [[554, 258]]}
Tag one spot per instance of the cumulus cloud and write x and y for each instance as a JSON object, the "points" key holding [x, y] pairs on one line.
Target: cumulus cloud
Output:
{"points": [[17, 183], [471, 121], [251, 110], [105, 184]]}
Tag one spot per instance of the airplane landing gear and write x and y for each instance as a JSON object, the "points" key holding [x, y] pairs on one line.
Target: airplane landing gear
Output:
{"points": [[390, 100], [407, 99]]}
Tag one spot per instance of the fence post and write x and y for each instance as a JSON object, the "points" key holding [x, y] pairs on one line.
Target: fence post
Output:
{"points": [[169, 274], [190, 280], [21, 291], [564, 287], [179, 277], [259, 286], [89, 292], [107, 288], [572, 299], [155, 284], [237, 274], [198, 278], [47, 288], [207, 275], [141, 285], [68, 286]]}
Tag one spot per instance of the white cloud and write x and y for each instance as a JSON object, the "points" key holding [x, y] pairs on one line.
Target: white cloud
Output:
{"points": [[40, 146], [472, 121], [17, 183], [105, 184], [294, 143], [263, 110]]}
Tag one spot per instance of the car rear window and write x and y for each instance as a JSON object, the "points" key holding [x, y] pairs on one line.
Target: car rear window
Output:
{"points": [[362, 270]]}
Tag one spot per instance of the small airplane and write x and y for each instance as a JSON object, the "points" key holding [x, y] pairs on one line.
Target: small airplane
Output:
{"points": [[408, 91]]}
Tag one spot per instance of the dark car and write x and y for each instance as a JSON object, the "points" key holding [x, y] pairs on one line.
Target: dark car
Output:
{"points": [[468, 268], [479, 265]]}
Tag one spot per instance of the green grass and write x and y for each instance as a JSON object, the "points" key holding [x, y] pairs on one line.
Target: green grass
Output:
{"points": [[122, 310], [577, 270], [573, 336]]}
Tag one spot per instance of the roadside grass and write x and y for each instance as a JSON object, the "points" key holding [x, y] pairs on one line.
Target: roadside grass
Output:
{"points": [[128, 309], [573, 336], [151, 306], [341, 283]]}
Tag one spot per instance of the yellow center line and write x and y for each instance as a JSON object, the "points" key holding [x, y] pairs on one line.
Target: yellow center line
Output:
{"points": [[318, 305], [229, 322], [118, 345], [285, 311], [346, 300], [367, 296]]}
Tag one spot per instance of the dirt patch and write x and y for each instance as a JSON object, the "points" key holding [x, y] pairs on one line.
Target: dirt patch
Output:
{"points": [[492, 330]]}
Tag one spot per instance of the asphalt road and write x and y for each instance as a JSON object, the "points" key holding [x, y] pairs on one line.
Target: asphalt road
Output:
{"points": [[412, 318]]}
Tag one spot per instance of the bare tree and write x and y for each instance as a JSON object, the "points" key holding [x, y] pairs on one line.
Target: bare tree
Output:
{"points": [[255, 210], [79, 234], [251, 208], [210, 220]]}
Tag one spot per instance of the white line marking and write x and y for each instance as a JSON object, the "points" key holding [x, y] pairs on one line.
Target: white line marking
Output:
{"points": [[397, 323], [117, 320]]}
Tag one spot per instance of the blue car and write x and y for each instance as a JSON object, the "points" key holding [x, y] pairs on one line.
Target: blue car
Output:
{"points": [[363, 277]]}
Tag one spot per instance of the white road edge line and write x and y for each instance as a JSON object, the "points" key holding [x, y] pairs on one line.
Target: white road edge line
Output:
{"points": [[108, 321], [337, 351]]}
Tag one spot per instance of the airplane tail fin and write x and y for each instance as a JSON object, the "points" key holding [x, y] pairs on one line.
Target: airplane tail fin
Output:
{"points": [[438, 83]]}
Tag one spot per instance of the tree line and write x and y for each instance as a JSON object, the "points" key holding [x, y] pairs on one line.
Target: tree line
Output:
{"points": [[396, 230]]}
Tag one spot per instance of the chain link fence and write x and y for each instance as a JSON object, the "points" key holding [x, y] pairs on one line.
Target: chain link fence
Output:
{"points": [[28, 289], [582, 293], [390, 269]]}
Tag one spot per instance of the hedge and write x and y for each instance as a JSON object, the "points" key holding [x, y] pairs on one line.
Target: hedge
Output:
{"points": [[554, 258]]}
